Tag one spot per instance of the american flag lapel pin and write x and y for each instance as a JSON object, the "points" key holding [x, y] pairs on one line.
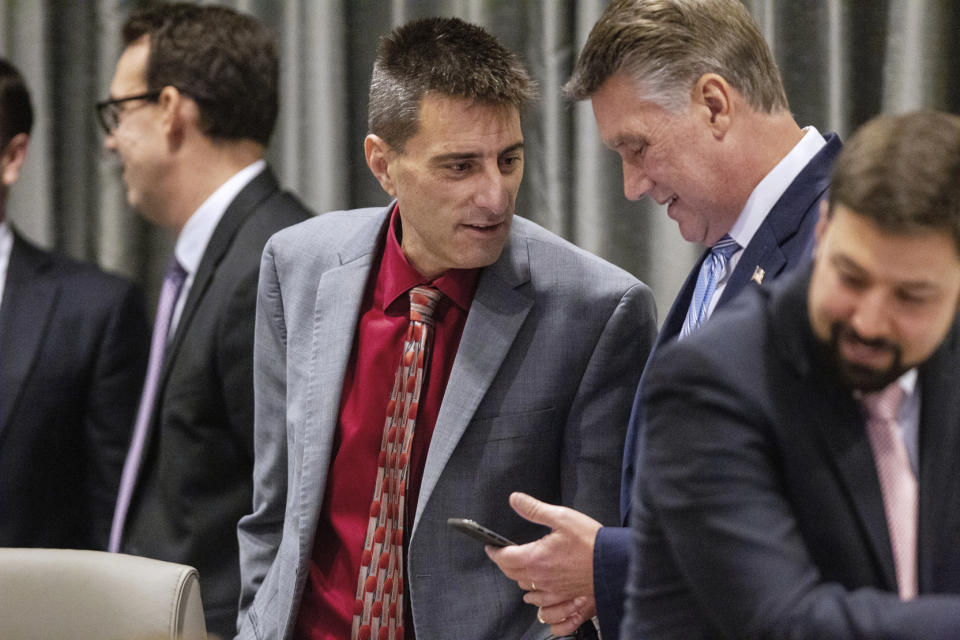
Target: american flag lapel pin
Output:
{"points": [[758, 274]]}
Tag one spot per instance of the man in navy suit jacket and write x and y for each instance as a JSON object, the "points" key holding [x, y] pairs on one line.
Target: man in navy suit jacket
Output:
{"points": [[773, 499], [689, 96], [73, 348]]}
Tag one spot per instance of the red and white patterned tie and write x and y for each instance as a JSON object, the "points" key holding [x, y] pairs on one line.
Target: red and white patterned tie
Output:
{"points": [[378, 608], [897, 483]]}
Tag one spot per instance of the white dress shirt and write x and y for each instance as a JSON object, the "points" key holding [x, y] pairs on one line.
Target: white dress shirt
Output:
{"points": [[6, 246], [764, 196], [196, 234]]}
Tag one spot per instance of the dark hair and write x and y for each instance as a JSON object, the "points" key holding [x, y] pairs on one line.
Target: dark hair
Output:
{"points": [[443, 55], [224, 60], [667, 45], [16, 112], [903, 173]]}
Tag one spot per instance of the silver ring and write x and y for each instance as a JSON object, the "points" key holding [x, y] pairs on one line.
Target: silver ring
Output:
{"points": [[533, 587], [540, 617]]}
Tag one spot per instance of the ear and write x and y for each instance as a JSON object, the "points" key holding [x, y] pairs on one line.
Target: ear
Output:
{"points": [[177, 111], [14, 155], [379, 155], [712, 97]]}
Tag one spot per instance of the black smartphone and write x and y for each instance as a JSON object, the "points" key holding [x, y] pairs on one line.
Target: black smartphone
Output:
{"points": [[478, 531]]}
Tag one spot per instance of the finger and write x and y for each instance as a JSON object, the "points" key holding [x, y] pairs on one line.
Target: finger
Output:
{"points": [[511, 560], [529, 508], [541, 598], [563, 619], [563, 611], [567, 627]]}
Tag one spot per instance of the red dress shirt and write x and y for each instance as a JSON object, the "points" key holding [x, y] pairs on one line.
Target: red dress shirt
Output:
{"points": [[326, 609]]}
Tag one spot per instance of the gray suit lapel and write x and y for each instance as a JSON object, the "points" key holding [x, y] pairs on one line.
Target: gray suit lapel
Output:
{"points": [[334, 331], [496, 315]]}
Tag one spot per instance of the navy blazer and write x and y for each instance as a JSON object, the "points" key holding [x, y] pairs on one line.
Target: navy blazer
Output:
{"points": [[758, 510], [73, 351], [783, 241]]}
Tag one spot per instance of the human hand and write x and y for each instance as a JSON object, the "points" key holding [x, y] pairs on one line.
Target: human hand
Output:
{"points": [[556, 571]]}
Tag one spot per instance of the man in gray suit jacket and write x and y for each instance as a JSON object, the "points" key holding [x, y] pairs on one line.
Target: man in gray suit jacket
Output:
{"points": [[537, 348], [193, 103]]}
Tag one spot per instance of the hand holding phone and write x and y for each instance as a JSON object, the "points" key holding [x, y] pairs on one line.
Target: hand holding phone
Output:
{"points": [[479, 532]]}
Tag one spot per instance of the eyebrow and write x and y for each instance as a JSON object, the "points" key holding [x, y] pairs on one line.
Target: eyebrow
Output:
{"points": [[627, 139], [919, 286], [470, 155]]}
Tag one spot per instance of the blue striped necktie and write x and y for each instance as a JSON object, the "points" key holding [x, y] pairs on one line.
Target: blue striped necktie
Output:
{"points": [[711, 272]]}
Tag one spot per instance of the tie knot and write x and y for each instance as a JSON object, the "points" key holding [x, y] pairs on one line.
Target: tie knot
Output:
{"points": [[423, 302], [176, 274], [884, 404], [725, 247]]}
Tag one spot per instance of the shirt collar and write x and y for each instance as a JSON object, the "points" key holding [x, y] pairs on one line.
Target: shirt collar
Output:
{"points": [[398, 276], [196, 233], [6, 248], [908, 381], [774, 184]]}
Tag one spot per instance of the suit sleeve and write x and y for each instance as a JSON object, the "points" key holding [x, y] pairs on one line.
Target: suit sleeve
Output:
{"points": [[611, 559], [710, 478], [112, 399], [597, 421], [260, 532]]}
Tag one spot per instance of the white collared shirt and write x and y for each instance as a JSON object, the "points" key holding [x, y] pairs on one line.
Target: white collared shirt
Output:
{"points": [[196, 233], [6, 246], [764, 196]]}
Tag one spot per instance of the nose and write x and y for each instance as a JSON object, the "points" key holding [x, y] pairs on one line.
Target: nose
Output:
{"points": [[870, 318], [636, 184], [493, 192]]}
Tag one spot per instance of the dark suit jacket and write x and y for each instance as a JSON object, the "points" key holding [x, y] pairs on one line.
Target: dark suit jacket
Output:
{"points": [[73, 349], [783, 241], [195, 481], [758, 509]]}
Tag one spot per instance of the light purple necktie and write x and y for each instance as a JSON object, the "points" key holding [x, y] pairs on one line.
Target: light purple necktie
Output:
{"points": [[172, 284]]}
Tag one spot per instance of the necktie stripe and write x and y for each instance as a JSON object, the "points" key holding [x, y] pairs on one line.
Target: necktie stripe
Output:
{"points": [[169, 293]]}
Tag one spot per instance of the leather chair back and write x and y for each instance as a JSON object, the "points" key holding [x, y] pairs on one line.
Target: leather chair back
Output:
{"points": [[93, 595]]}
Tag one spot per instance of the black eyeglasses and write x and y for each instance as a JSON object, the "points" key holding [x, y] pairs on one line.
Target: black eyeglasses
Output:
{"points": [[108, 111]]}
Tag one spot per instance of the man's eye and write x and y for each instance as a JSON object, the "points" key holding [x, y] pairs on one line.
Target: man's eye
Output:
{"points": [[850, 280]]}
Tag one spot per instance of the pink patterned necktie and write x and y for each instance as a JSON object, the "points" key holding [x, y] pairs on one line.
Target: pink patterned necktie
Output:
{"points": [[378, 608], [169, 292], [897, 482]]}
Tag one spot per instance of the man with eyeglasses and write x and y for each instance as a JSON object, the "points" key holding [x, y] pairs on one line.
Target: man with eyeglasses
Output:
{"points": [[192, 105], [73, 347]]}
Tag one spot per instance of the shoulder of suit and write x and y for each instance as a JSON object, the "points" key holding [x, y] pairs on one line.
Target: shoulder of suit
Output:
{"points": [[330, 229], [79, 278], [550, 251]]}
